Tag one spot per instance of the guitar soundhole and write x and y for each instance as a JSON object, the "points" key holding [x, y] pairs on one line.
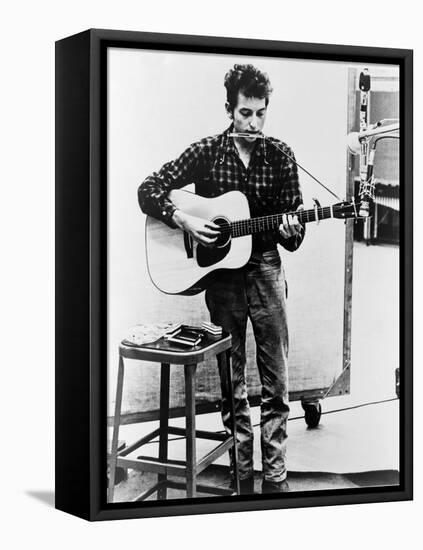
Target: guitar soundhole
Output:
{"points": [[225, 232], [206, 256]]}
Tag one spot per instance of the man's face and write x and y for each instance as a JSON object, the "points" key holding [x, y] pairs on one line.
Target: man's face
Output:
{"points": [[249, 115]]}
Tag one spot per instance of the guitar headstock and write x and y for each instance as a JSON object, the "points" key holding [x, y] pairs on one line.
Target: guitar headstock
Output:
{"points": [[346, 209]]}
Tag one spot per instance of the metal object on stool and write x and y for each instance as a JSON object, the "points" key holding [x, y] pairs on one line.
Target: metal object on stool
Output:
{"points": [[166, 353]]}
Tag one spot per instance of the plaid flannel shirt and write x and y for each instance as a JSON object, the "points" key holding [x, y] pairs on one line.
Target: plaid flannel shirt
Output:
{"points": [[270, 182]]}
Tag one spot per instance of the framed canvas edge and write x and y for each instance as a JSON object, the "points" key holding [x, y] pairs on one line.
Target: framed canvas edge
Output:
{"points": [[92, 457]]}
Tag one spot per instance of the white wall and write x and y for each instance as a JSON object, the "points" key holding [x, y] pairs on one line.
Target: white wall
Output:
{"points": [[159, 103]]}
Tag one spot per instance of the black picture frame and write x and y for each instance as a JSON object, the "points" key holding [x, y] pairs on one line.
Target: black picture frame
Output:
{"points": [[81, 272]]}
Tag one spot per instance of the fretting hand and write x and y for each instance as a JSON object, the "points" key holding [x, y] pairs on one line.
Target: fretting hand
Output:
{"points": [[203, 231], [290, 225]]}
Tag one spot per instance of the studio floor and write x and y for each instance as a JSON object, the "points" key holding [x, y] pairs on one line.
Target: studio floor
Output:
{"points": [[357, 440]]}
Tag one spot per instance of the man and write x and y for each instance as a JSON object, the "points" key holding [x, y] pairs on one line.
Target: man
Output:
{"points": [[256, 166]]}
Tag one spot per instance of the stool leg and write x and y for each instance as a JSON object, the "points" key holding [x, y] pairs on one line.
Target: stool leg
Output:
{"points": [[164, 424], [191, 455], [224, 360], [116, 424]]}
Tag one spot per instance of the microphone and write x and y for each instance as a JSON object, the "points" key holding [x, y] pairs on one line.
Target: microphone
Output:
{"points": [[354, 139]]}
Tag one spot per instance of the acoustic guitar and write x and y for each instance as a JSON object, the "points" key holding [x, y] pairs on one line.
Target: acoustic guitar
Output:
{"points": [[179, 265]]}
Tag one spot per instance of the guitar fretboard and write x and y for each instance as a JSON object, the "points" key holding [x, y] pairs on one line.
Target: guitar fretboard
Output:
{"points": [[240, 228]]}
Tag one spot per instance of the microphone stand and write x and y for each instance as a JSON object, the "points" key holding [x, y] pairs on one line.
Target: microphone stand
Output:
{"points": [[364, 143]]}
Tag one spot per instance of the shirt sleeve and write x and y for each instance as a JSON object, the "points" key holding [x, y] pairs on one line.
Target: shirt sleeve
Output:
{"points": [[153, 191], [291, 198]]}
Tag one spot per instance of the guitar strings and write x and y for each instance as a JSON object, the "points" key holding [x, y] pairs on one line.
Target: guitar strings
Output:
{"points": [[259, 222]]}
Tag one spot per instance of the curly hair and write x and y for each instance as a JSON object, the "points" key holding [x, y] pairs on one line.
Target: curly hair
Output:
{"points": [[248, 80]]}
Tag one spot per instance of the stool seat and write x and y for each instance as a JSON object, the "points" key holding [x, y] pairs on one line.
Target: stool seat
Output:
{"points": [[165, 353]]}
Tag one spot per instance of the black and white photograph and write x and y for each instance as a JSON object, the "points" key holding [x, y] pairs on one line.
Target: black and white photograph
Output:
{"points": [[253, 276], [210, 241]]}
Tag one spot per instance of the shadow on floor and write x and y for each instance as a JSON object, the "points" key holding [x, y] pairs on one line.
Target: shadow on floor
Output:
{"points": [[46, 497], [218, 476]]}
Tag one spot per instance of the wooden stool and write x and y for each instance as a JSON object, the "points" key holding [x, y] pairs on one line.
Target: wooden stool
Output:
{"points": [[166, 353]]}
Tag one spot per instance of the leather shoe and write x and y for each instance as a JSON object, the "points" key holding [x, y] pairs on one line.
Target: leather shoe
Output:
{"points": [[246, 486], [275, 486]]}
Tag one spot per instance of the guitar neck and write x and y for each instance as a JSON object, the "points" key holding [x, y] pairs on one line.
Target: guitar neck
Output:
{"points": [[240, 228]]}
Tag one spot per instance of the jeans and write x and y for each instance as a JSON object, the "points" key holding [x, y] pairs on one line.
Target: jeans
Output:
{"points": [[256, 292]]}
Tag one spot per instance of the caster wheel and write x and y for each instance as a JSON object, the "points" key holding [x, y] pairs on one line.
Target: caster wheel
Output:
{"points": [[312, 414], [397, 383]]}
